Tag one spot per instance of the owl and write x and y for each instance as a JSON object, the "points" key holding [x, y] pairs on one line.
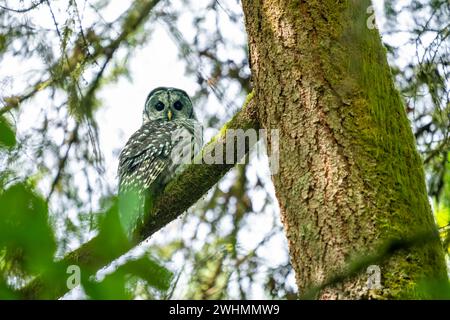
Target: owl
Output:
{"points": [[167, 141]]}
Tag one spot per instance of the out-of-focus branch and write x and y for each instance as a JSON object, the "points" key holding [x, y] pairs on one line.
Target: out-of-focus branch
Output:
{"points": [[33, 6], [134, 18], [62, 162]]}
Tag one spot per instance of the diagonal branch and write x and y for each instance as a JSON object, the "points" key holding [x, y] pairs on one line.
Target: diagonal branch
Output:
{"points": [[177, 197], [33, 6], [134, 18]]}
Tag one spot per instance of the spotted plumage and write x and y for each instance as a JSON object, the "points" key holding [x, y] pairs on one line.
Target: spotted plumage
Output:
{"points": [[168, 139]]}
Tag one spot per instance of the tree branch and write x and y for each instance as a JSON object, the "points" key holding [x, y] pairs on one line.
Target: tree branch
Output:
{"points": [[23, 10], [177, 197]]}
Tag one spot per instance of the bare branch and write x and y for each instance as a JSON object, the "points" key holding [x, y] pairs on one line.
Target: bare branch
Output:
{"points": [[135, 16], [24, 10]]}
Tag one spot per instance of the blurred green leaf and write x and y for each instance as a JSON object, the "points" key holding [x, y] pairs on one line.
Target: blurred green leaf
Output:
{"points": [[6, 293], [129, 215], [24, 229], [7, 135], [114, 285], [112, 240], [111, 237], [435, 289], [149, 270]]}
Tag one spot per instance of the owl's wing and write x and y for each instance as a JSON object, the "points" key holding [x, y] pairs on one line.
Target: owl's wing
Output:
{"points": [[186, 143], [144, 157], [141, 162]]}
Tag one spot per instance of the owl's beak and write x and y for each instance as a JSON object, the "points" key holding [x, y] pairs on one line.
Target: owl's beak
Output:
{"points": [[169, 115]]}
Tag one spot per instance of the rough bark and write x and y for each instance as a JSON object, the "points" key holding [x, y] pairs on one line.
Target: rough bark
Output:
{"points": [[350, 177]]}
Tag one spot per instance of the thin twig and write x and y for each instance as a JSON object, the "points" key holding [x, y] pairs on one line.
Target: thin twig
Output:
{"points": [[23, 10]]}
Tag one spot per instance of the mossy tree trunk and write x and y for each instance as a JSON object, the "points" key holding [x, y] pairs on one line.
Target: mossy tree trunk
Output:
{"points": [[350, 177]]}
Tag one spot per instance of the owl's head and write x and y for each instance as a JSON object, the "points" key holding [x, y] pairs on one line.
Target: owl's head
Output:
{"points": [[166, 104]]}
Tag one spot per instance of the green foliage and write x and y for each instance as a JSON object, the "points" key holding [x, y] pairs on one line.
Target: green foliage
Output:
{"points": [[130, 213], [7, 135], [442, 208], [114, 286], [6, 293], [24, 229], [2, 42], [434, 290], [27, 247], [111, 241], [211, 273]]}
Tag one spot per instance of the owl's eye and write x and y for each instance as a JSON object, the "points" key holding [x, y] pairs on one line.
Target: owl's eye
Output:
{"points": [[159, 106], [178, 105]]}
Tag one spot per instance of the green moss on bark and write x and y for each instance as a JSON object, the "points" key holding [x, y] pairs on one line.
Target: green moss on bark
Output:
{"points": [[387, 153], [350, 176]]}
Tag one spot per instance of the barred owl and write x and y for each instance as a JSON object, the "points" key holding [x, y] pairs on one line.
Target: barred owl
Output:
{"points": [[168, 139]]}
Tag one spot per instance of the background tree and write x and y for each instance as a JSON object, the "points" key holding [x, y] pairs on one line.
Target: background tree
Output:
{"points": [[77, 50]]}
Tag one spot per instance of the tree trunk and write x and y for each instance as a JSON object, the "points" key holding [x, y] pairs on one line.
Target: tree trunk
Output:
{"points": [[350, 177]]}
